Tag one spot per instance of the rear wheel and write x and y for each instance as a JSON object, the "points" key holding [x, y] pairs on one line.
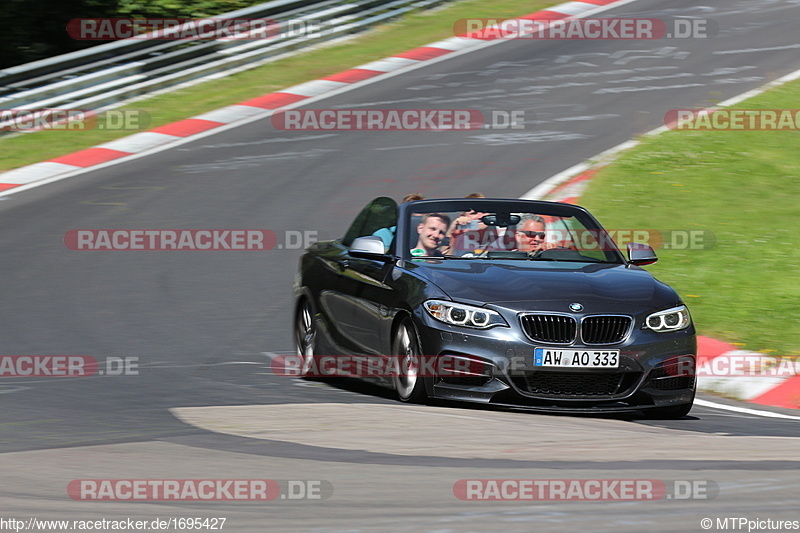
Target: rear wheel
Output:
{"points": [[408, 383], [305, 338]]}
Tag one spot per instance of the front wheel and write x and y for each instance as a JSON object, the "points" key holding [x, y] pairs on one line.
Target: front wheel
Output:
{"points": [[305, 338], [408, 383]]}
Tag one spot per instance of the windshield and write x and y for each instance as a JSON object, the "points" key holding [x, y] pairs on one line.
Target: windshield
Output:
{"points": [[526, 231]]}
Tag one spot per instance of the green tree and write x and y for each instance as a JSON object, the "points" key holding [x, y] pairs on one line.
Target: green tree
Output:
{"points": [[36, 29]]}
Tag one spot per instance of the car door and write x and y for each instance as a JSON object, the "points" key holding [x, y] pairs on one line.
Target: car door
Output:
{"points": [[356, 301]]}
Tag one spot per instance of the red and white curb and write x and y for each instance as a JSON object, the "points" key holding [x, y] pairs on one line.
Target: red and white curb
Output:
{"points": [[257, 108], [778, 391]]}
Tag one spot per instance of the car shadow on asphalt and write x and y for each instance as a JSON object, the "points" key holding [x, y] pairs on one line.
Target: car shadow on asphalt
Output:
{"points": [[374, 391]]}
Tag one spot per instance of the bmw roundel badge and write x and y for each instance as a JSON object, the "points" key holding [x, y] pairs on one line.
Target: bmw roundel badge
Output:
{"points": [[575, 307]]}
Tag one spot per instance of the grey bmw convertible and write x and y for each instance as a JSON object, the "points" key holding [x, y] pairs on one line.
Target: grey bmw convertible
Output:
{"points": [[513, 303]]}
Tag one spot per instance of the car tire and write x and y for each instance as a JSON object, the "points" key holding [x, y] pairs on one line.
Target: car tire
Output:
{"points": [[409, 386], [305, 339], [672, 412]]}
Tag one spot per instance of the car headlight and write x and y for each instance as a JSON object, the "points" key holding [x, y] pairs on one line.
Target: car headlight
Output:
{"points": [[464, 315], [669, 320]]}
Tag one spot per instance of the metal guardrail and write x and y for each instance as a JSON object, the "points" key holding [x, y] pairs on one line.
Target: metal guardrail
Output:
{"points": [[106, 75]]}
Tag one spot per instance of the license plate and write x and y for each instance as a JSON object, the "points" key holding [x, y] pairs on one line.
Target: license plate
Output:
{"points": [[547, 357]]}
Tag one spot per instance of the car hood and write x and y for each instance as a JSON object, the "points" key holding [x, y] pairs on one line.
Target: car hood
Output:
{"points": [[505, 283]]}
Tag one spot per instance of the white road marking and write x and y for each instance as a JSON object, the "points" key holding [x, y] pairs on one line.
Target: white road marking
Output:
{"points": [[6, 389], [612, 90], [753, 50], [273, 355], [261, 141], [414, 146], [587, 117], [505, 139], [744, 410], [254, 161]]}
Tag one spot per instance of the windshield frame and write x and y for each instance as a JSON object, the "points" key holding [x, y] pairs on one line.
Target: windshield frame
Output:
{"points": [[406, 229]]}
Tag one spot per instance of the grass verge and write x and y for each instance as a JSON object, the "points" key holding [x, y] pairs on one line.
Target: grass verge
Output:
{"points": [[408, 32], [744, 187]]}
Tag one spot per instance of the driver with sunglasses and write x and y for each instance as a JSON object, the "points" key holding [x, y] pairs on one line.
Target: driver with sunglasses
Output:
{"points": [[530, 234]]}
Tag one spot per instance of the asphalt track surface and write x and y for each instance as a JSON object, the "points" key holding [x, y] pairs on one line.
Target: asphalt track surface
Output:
{"points": [[203, 325]]}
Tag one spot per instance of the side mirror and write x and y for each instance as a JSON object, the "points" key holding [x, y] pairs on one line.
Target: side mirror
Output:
{"points": [[369, 248], [641, 254]]}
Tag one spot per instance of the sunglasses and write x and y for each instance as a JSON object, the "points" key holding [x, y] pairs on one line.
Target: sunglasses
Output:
{"points": [[532, 234]]}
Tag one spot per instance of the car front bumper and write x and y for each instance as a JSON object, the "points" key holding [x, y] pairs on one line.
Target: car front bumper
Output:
{"points": [[656, 370]]}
